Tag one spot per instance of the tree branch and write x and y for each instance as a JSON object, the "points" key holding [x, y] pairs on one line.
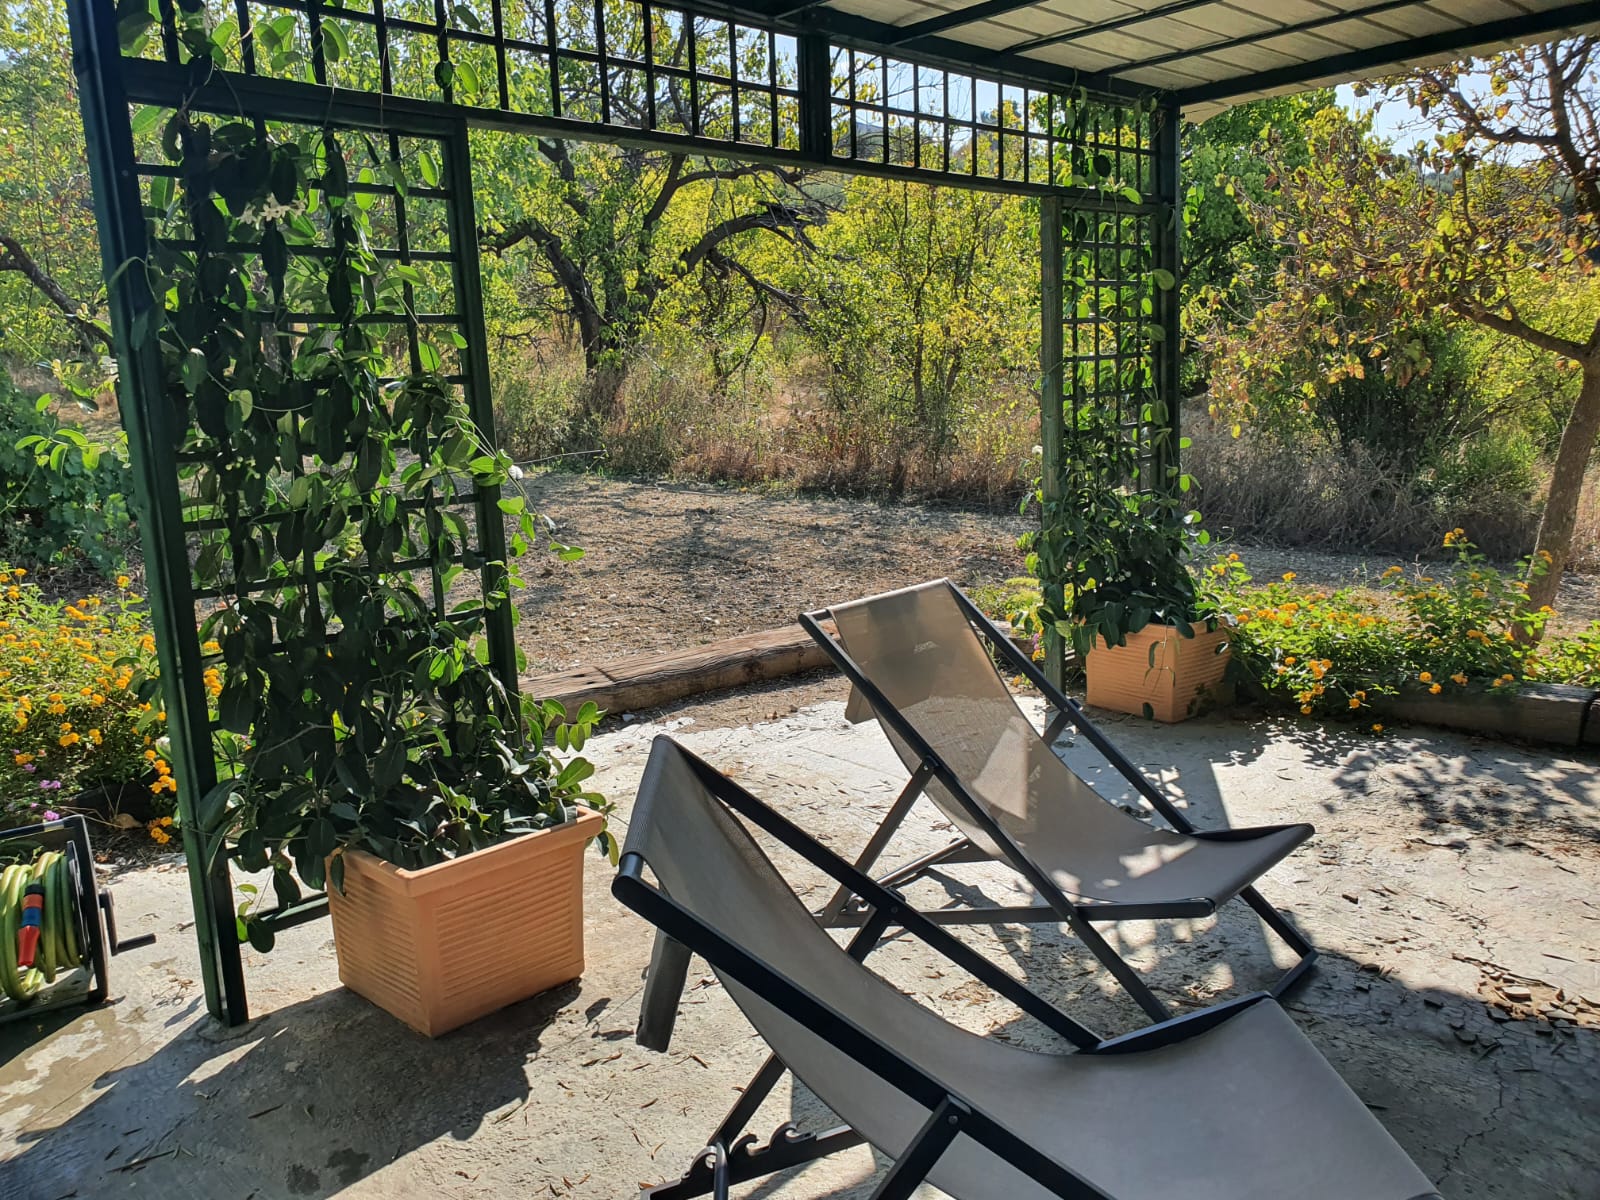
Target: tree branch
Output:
{"points": [[571, 277], [14, 258], [669, 188], [797, 306], [1515, 326]]}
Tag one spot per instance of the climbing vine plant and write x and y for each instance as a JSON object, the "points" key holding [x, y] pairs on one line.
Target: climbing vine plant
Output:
{"points": [[1116, 537], [343, 506]]}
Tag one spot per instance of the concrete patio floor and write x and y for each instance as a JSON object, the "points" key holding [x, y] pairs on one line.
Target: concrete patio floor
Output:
{"points": [[1451, 879]]}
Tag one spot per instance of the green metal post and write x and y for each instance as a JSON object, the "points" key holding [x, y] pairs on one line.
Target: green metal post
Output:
{"points": [[1167, 228], [814, 82], [152, 441], [468, 284], [1052, 395]]}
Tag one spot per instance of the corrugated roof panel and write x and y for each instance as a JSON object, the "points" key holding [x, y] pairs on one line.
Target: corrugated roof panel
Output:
{"points": [[1123, 45], [1254, 36], [1211, 23]]}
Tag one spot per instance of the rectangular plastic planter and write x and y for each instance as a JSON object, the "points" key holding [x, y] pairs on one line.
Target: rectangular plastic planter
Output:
{"points": [[447, 944], [1159, 673]]}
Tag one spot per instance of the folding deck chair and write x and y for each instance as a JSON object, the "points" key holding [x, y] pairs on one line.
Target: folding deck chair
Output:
{"points": [[1231, 1103], [919, 660]]}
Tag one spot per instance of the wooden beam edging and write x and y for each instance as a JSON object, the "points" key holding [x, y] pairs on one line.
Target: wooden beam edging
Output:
{"points": [[649, 680], [1553, 713]]}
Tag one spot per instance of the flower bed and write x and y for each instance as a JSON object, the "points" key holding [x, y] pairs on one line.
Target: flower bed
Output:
{"points": [[1337, 653], [1468, 631], [73, 677]]}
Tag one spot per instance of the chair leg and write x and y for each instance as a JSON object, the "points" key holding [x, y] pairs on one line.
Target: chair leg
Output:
{"points": [[1288, 934], [879, 841], [1120, 970], [912, 1167], [732, 1156]]}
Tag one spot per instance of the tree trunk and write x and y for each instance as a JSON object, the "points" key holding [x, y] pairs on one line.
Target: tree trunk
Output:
{"points": [[602, 391], [1566, 485]]}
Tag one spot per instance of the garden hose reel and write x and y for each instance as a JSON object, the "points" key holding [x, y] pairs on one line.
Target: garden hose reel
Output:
{"points": [[62, 919]]}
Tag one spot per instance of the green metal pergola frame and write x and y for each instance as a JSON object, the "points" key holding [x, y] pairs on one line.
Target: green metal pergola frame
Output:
{"points": [[825, 110]]}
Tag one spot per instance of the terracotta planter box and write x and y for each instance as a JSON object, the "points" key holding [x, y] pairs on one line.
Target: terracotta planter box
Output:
{"points": [[1173, 677], [455, 941]]}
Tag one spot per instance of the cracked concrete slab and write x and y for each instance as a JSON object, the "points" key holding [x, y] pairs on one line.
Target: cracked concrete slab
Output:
{"points": [[1448, 877]]}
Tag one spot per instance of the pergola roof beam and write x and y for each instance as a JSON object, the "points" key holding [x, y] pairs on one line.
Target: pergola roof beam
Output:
{"points": [[1111, 24], [971, 14], [1255, 39], [1356, 63]]}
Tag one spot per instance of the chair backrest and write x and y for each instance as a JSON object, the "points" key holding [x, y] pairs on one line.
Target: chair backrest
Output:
{"points": [[702, 858], [917, 647]]}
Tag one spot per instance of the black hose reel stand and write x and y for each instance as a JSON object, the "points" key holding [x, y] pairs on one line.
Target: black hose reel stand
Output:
{"points": [[90, 983]]}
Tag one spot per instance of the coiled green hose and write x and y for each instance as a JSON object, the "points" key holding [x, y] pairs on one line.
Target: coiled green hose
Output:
{"points": [[58, 948]]}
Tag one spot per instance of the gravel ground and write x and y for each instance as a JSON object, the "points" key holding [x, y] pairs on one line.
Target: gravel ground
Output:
{"points": [[671, 565]]}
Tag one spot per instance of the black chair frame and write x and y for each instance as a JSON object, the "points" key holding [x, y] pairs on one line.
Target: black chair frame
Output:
{"points": [[732, 1156], [847, 910]]}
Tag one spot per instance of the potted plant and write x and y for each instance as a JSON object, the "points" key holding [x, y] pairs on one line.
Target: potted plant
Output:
{"points": [[1148, 641], [348, 511]]}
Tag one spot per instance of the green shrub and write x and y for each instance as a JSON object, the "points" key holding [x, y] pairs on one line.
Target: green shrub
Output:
{"points": [[536, 401], [1569, 658], [72, 713], [62, 495], [1334, 653]]}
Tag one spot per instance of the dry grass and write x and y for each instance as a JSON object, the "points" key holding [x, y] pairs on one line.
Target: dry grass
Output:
{"points": [[1307, 493], [677, 420]]}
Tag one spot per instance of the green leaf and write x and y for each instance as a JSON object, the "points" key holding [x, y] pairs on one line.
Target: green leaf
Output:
{"points": [[335, 45], [260, 936]]}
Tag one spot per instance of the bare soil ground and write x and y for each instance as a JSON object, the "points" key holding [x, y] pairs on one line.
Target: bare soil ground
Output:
{"points": [[669, 565], [672, 564]]}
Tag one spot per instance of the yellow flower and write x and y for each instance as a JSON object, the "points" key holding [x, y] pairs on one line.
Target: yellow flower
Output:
{"points": [[68, 739], [1436, 689], [1377, 727], [1306, 709], [19, 572], [1458, 677], [1354, 703], [123, 581], [1288, 576], [1291, 660], [1426, 677]]}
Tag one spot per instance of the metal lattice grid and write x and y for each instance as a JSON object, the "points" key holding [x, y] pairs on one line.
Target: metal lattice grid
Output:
{"points": [[259, 538], [620, 71], [898, 113], [660, 72]]}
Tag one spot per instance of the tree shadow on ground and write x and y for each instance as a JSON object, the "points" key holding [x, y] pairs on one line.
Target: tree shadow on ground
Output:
{"points": [[301, 1102], [1489, 1106]]}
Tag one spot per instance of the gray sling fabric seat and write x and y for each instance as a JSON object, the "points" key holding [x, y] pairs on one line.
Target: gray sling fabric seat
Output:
{"points": [[920, 661], [1232, 1104]]}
